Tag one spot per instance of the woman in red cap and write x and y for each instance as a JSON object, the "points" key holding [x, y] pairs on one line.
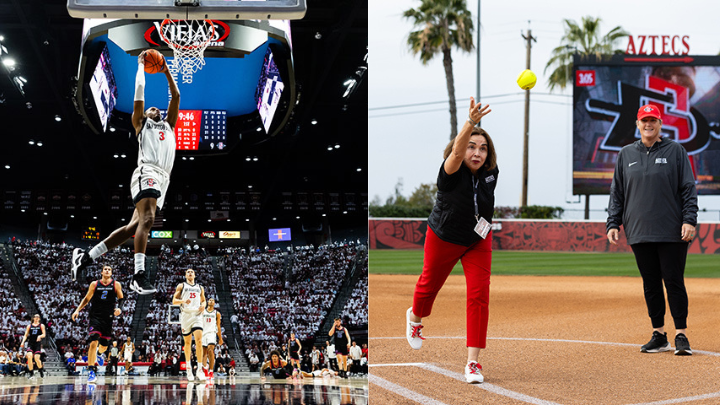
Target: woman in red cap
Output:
{"points": [[653, 197], [459, 229]]}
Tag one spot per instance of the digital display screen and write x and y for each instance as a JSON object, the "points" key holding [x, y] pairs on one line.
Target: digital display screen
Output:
{"points": [[607, 96], [91, 233], [269, 90], [208, 235], [279, 235], [161, 234], [103, 88], [230, 235], [200, 130]]}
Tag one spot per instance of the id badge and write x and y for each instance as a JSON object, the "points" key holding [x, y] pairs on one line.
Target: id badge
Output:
{"points": [[483, 227]]}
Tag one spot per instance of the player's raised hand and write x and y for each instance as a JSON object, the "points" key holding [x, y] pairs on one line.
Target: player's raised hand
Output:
{"points": [[141, 58]]}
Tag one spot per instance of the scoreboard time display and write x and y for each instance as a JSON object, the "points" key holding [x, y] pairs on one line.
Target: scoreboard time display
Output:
{"points": [[91, 233], [201, 130]]}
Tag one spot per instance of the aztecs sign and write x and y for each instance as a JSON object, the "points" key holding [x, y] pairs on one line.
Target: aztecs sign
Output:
{"points": [[558, 236]]}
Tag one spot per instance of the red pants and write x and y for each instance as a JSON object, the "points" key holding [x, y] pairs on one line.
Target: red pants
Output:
{"points": [[440, 258]]}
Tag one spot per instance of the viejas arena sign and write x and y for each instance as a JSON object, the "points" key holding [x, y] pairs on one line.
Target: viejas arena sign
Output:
{"points": [[189, 34]]}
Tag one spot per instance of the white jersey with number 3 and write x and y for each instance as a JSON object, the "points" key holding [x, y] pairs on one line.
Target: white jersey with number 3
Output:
{"points": [[191, 292], [210, 321], [157, 145]]}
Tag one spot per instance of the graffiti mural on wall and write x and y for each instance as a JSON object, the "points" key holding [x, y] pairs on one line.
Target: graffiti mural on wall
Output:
{"points": [[558, 236]]}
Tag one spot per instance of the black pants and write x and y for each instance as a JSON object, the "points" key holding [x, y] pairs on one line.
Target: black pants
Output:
{"points": [[660, 262]]}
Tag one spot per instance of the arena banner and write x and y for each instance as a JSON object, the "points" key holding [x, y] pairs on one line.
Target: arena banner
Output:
{"points": [[539, 235], [607, 95]]}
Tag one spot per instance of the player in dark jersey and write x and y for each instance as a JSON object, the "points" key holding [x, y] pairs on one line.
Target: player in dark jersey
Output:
{"points": [[276, 365], [342, 345], [294, 347], [34, 334], [106, 299]]}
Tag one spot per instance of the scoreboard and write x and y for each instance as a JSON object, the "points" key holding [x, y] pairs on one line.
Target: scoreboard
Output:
{"points": [[204, 130], [91, 233]]}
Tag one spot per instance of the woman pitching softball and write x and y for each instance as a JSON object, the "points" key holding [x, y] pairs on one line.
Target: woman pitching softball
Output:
{"points": [[459, 229]]}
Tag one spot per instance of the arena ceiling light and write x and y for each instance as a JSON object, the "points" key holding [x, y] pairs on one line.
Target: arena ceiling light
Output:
{"points": [[58, 118], [359, 169], [255, 159], [337, 146], [31, 142], [247, 159], [7, 166], [314, 122], [9, 62], [39, 143], [330, 147]]}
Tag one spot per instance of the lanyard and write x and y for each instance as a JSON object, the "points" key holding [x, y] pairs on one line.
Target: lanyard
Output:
{"points": [[475, 183]]}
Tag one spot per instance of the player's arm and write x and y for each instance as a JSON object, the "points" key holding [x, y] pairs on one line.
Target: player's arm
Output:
{"points": [[219, 330], [42, 328], [332, 330], [177, 298], [462, 140], [139, 104], [347, 334], [85, 301], [299, 345], [27, 332], [174, 106], [203, 303], [120, 299]]}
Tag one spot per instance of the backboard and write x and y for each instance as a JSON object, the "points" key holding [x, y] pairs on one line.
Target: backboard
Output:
{"points": [[189, 9]]}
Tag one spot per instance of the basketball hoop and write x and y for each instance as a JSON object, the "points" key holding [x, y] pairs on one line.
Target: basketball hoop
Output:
{"points": [[188, 40]]}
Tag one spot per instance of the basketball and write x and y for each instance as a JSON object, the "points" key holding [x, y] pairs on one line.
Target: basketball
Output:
{"points": [[527, 79], [154, 61]]}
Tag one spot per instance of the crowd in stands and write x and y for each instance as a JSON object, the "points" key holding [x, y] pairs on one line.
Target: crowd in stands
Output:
{"points": [[46, 270], [276, 293], [15, 319], [355, 313]]}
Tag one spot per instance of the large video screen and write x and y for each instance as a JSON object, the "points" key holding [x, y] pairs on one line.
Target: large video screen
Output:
{"points": [[608, 94], [103, 88], [279, 235], [269, 90]]}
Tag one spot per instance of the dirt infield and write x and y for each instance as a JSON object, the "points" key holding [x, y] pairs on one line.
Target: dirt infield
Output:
{"points": [[552, 340]]}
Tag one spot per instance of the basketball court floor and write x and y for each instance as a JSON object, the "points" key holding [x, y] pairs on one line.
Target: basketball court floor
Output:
{"points": [[123, 390]]}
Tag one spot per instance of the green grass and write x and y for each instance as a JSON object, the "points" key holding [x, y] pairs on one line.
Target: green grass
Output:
{"points": [[543, 264]]}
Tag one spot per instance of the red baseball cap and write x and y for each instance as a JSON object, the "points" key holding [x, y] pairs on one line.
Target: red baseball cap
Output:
{"points": [[649, 110]]}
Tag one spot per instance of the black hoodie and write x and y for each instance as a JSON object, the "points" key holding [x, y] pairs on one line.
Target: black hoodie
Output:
{"points": [[653, 192]]}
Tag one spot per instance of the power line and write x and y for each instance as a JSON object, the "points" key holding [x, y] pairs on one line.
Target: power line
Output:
{"points": [[445, 101], [445, 109]]}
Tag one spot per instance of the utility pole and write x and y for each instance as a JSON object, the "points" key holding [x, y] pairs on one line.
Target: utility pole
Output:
{"points": [[523, 199], [477, 100]]}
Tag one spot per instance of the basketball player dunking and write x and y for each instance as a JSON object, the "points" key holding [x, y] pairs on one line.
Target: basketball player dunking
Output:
{"points": [[212, 335], [149, 181], [191, 298], [34, 334], [106, 299]]}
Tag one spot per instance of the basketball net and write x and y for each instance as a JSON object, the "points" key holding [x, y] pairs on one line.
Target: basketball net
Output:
{"points": [[188, 39]]}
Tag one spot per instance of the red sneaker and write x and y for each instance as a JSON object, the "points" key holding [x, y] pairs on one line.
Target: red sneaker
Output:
{"points": [[205, 370]]}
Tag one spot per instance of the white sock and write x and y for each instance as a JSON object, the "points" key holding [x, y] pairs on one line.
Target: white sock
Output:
{"points": [[139, 262], [99, 250]]}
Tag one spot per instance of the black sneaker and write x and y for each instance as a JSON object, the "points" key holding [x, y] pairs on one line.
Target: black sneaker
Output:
{"points": [[80, 260], [682, 346], [658, 343], [141, 285]]}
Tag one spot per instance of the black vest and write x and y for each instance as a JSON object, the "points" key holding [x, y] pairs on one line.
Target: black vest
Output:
{"points": [[453, 216]]}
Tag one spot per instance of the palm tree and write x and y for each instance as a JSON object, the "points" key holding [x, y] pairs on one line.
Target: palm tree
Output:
{"points": [[443, 24], [584, 39]]}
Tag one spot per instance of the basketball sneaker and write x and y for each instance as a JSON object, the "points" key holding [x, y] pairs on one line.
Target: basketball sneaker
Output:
{"points": [[141, 285], [212, 375], [201, 375], [190, 375], [205, 371], [658, 343], [413, 331], [472, 373], [682, 345], [80, 260], [92, 377]]}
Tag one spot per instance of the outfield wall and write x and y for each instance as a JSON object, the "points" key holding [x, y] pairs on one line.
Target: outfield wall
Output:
{"points": [[539, 235]]}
